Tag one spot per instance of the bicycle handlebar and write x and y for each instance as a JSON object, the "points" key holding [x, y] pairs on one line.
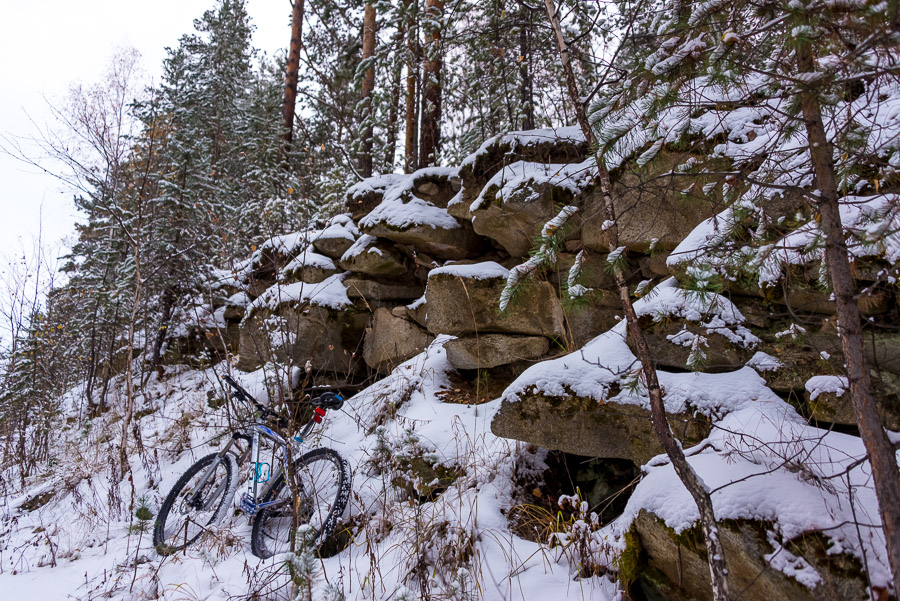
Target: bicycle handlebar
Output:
{"points": [[246, 396], [328, 400]]}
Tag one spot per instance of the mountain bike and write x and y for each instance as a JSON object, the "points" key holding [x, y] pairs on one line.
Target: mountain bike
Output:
{"points": [[313, 490]]}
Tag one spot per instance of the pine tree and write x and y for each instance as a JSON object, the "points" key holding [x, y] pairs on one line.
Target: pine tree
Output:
{"points": [[781, 101]]}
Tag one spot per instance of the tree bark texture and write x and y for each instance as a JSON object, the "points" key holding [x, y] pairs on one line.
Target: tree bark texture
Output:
{"points": [[411, 147], [393, 112], [696, 487], [698, 490], [526, 89], [430, 143], [368, 86], [292, 75], [885, 473]]}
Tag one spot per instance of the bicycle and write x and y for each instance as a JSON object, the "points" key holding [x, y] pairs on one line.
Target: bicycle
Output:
{"points": [[320, 477]]}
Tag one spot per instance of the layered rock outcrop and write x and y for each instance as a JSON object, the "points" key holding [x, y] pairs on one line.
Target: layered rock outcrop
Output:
{"points": [[429, 254]]}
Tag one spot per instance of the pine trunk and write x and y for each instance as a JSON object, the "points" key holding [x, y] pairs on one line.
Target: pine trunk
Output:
{"points": [[431, 113], [526, 87], [368, 86], [292, 75], [411, 161], [885, 473], [393, 112]]}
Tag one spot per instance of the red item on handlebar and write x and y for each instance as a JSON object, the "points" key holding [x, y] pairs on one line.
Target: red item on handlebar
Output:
{"points": [[320, 413]]}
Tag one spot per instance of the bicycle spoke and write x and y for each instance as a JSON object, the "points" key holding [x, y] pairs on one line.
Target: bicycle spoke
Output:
{"points": [[319, 479], [189, 509]]}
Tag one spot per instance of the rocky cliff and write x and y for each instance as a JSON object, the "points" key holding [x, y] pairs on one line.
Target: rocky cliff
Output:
{"points": [[428, 255]]}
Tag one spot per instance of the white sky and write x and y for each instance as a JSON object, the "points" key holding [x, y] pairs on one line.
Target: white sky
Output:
{"points": [[47, 45]]}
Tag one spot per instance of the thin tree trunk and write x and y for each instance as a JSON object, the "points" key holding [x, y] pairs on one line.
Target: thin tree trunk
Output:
{"points": [[368, 86], [393, 112], [411, 160], [571, 84], [92, 365], [690, 479], [526, 94], [292, 75], [111, 331], [430, 144], [129, 369], [168, 305], [885, 473]]}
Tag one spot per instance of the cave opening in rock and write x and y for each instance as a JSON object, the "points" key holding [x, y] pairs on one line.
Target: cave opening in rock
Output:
{"points": [[605, 484]]}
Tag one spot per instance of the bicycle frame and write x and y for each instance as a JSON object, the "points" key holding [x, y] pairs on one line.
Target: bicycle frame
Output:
{"points": [[249, 500], [264, 430]]}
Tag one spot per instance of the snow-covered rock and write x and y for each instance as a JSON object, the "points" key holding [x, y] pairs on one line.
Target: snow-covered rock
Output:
{"points": [[391, 340], [372, 256], [492, 350], [520, 198], [465, 299], [302, 322], [413, 211], [652, 212]]}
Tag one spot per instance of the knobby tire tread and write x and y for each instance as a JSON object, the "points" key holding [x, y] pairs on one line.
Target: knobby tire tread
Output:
{"points": [[337, 508]]}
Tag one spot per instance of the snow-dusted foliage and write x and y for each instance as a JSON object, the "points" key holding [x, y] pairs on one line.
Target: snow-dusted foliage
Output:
{"points": [[545, 255], [719, 89]]}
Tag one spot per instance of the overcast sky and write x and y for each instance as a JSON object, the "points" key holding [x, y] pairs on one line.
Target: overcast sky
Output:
{"points": [[48, 45]]}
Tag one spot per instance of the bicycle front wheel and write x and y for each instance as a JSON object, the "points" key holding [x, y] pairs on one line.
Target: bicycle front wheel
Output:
{"points": [[323, 487], [190, 507]]}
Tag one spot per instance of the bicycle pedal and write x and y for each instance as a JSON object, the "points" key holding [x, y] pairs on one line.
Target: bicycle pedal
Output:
{"points": [[248, 504]]}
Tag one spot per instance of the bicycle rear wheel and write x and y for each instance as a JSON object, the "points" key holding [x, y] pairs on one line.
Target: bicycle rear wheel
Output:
{"points": [[189, 509], [323, 486]]}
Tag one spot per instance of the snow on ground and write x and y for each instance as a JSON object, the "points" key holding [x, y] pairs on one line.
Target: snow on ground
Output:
{"points": [[460, 539], [762, 461]]}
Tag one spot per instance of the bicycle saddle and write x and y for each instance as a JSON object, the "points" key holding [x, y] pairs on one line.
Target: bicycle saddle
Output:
{"points": [[329, 400]]}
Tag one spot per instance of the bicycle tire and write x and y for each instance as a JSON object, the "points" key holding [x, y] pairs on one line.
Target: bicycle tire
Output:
{"points": [[223, 481], [324, 481]]}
